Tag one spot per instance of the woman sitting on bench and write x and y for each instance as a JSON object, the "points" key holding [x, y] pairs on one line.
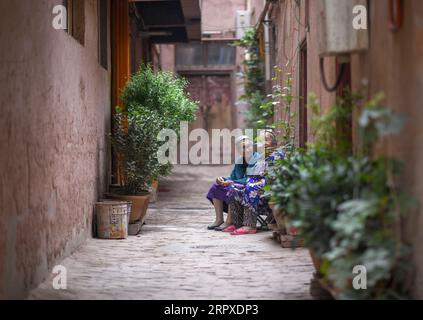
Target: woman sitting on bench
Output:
{"points": [[218, 194], [246, 203]]}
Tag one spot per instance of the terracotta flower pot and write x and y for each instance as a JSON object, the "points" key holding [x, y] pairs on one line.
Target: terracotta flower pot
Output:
{"points": [[284, 224], [290, 230], [317, 261], [154, 191], [139, 205], [280, 219]]}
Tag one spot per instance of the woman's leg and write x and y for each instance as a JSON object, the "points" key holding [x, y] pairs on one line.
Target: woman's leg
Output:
{"points": [[235, 198], [218, 208], [249, 223], [227, 223], [229, 219], [236, 213], [250, 218]]}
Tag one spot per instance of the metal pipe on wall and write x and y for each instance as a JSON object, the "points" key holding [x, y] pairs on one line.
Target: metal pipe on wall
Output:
{"points": [[267, 58]]}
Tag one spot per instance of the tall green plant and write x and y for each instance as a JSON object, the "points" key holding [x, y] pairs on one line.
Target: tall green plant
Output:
{"points": [[162, 93], [153, 101], [347, 207], [326, 127], [260, 110], [134, 140], [283, 98]]}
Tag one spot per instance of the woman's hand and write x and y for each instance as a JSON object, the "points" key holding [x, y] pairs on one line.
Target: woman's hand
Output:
{"points": [[220, 181], [227, 183]]}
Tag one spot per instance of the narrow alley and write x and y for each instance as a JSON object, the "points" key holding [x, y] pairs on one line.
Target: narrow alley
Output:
{"points": [[176, 257], [307, 112]]}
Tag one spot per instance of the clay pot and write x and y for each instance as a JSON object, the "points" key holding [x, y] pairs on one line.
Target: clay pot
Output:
{"points": [[139, 205], [154, 191], [290, 230], [317, 261], [280, 219]]}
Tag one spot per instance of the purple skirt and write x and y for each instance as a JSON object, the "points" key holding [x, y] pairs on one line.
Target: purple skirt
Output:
{"points": [[225, 194], [219, 193]]}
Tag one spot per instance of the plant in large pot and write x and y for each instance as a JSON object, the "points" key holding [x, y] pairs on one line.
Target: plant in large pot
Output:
{"points": [[163, 94], [135, 144], [348, 208], [153, 101]]}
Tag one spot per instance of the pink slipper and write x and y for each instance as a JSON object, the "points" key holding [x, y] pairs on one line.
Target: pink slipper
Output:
{"points": [[243, 231], [230, 229]]}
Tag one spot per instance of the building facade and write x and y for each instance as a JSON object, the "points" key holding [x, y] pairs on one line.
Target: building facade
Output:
{"points": [[388, 60], [59, 87], [213, 65]]}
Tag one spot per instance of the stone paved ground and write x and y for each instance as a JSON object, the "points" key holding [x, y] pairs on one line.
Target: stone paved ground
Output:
{"points": [[175, 257]]}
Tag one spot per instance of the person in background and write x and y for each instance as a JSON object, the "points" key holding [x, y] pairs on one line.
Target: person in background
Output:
{"points": [[218, 193], [247, 202]]}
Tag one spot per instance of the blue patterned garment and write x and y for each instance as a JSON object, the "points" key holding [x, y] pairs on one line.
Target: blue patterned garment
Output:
{"points": [[251, 194]]}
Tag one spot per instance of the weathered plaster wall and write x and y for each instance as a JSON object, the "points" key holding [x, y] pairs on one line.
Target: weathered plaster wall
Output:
{"points": [[54, 102], [290, 34], [255, 7], [394, 66], [219, 15], [167, 57]]}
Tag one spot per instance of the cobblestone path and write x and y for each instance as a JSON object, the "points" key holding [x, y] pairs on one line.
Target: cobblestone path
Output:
{"points": [[175, 257]]}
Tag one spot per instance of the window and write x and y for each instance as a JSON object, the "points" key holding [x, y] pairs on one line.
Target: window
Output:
{"points": [[189, 54], [103, 36], [220, 54], [206, 54], [76, 19]]}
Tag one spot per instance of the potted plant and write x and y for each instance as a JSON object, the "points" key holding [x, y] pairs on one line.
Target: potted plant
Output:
{"points": [[153, 101], [134, 142], [163, 96], [154, 191], [347, 208]]}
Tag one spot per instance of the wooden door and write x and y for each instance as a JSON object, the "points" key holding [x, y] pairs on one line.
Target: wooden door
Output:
{"points": [[214, 94], [215, 97], [120, 64]]}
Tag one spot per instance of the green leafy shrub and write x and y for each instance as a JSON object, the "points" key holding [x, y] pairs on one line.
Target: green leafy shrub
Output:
{"points": [[135, 142], [282, 97], [162, 93], [326, 127], [153, 101], [260, 109], [347, 207]]}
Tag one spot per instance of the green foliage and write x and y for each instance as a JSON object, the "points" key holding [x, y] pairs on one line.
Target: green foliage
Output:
{"points": [[135, 141], [346, 207], [161, 92], [308, 186], [153, 101], [253, 65], [377, 121], [260, 110], [325, 127], [283, 97]]}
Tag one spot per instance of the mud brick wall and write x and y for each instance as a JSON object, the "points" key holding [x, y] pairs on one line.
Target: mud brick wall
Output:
{"points": [[54, 115]]}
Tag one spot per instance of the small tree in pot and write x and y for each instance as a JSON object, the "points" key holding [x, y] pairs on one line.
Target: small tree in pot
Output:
{"points": [[135, 144], [153, 101]]}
